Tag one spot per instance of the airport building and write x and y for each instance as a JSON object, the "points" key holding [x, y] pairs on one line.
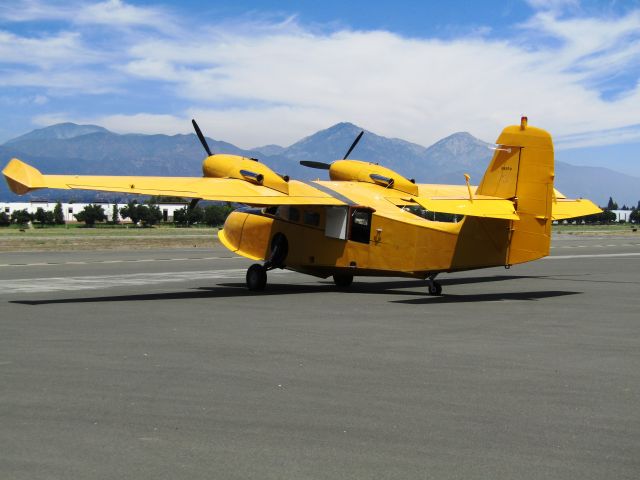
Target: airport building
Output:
{"points": [[70, 209]]}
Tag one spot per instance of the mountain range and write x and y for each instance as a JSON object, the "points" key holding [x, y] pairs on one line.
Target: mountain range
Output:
{"points": [[90, 149]]}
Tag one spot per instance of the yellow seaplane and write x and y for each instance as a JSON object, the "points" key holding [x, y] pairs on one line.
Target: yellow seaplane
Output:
{"points": [[367, 219]]}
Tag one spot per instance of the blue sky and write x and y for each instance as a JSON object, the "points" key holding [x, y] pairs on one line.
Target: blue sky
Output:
{"points": [[258, 72]]}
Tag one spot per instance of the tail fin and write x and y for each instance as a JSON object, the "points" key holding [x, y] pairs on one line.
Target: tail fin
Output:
{"points": [[522, 170]]}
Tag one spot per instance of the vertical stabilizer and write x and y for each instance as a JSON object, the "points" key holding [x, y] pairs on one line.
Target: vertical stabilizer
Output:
{"points": [[522, 170]]}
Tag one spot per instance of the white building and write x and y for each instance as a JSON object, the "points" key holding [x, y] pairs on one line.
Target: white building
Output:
{"points": [[69, 209], [622, 215]]}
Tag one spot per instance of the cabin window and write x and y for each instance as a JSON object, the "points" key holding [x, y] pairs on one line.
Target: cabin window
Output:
{"points": [[271, 210], [360, 230], [288, 213], [311, 218], [294, 214]]}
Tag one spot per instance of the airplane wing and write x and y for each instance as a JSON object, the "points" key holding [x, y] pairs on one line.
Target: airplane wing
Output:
{"points": [[479, 206], [23, 178]]}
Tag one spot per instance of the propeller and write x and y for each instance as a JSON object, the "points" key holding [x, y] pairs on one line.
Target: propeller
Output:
{"points": [[201, 137], [326, 166], [312, 164], [193, 203], [353, 145]]}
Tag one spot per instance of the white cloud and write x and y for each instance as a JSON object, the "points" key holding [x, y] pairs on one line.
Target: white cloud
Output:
{"points": [[115, 13], [553, 5], [274, 82], [46, 52]]}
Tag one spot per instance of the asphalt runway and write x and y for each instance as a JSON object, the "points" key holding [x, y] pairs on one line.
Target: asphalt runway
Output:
{"points": [[160, 365]]}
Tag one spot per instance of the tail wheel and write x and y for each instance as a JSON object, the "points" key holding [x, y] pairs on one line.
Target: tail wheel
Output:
{"points": [[256, 277], [342, 280], [435, 288]]}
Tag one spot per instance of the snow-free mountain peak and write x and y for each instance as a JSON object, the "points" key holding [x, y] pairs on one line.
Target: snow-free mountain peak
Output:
{"points": [[59, 131]]}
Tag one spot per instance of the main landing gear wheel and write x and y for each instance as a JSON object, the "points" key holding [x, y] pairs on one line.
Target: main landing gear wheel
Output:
{"points": [[256, 277], [257, 274], [435, 288], [342, 280]]}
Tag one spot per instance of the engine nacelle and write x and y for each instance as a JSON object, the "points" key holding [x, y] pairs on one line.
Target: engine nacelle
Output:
{"points": [[234, 166], [358, 171]]}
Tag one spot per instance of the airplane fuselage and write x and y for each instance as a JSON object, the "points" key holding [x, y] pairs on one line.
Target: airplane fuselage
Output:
{"points": [[383, 239]]}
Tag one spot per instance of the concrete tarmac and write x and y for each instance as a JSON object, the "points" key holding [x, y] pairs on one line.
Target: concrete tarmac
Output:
{"points": [[159, 364]]}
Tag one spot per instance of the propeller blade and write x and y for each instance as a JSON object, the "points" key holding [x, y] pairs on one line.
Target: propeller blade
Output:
{"points": [[353, 145], [311, 164], [201, 137]]}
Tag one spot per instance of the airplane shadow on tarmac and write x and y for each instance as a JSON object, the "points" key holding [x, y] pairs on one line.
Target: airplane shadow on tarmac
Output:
{"points": [[395, 287]]}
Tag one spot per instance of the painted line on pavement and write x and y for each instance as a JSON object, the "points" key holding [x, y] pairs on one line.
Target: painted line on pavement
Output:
{"points": [[101, 262], [97, 282], [594, 255]]}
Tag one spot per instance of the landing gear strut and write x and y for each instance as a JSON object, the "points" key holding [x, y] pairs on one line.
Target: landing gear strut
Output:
{"points": [[434, 287], [257, 274]]}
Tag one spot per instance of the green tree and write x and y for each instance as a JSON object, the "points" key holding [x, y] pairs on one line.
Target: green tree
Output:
{"points": [[5, 220], [611, 205], [40, 216], [188, 216], [115, 218], [635, 215], [180, 217], [132, 211], [58, 216], [49, 218], [21, 217], [215, 215], [150, 214], [91, 214]]}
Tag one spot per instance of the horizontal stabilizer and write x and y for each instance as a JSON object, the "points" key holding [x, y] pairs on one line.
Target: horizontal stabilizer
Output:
{"points": [[564, 208], [479, 206]]}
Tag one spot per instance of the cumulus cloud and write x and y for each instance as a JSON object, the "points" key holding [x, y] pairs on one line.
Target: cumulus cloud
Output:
{"points": [[273, 82]]}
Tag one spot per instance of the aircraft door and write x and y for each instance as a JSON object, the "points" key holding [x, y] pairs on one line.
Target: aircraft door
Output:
{"points": [[336, 224], [360, 225]]}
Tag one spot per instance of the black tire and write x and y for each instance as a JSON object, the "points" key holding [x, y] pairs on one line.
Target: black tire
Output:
{"points": [[435, 289], [342, 280], [256, 277]]}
